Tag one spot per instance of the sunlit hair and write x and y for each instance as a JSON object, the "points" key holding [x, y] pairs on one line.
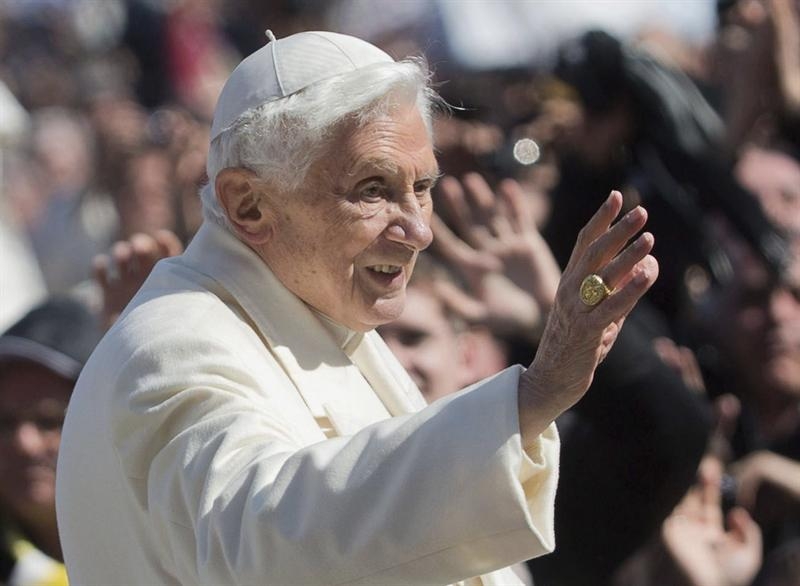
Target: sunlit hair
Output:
{"points": [[280, 140]]}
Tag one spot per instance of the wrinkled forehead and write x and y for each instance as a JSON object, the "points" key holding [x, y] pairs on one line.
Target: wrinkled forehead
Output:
{"points": [[395, 142]]}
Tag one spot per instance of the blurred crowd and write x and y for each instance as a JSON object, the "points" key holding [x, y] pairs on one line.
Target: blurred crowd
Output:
{"points": [[682, 464]]}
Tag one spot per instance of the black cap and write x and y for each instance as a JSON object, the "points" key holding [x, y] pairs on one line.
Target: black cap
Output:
{"points": [[724, 6], [59, 334], [593, 64]]}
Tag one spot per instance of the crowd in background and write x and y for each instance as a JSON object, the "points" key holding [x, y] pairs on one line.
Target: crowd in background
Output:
{"points": [[682, 464]]}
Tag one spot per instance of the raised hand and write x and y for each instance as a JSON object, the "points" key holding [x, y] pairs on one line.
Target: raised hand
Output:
{"points": [[683, 361], [578, 335], [510, 270], [122, 270], [702, 550]]}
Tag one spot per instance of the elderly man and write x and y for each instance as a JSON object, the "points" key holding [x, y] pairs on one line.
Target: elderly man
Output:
{"points": [[242, 423]]}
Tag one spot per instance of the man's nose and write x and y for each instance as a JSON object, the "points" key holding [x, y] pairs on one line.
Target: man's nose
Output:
{"points": [[783, 305], [411, 226], [28, 438]]}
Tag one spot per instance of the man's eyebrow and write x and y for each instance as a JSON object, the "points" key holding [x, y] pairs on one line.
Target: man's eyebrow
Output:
{"points": [[380, 164], [389, 166], [433, 177]]}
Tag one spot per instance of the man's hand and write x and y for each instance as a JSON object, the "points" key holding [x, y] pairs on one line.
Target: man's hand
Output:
{"points": [[577, 337], [124, 268], [683, 361], [510, 270], [703, 551]]}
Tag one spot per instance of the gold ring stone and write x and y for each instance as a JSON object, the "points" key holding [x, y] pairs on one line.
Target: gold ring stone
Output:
{"points": [[593, 290]]}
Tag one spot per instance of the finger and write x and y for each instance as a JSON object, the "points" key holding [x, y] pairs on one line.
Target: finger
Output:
{"points": [[691, 368], [480, 195], [598, 224], [727, 408], [609, 244], [101, 265], [710, 477], [459, 253], [636, 284], [122, 257], [743, 528], [519, 213], [667, 351], [691, 505], [456, 207], [168, 243], [146, 251], [468, 308], [607, 339], [501, 227], [682, 361], [621, 266]]}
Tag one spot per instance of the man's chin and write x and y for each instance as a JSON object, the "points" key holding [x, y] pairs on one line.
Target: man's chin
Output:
{"points": [[783, 377], [35, 497], [382, 312]]}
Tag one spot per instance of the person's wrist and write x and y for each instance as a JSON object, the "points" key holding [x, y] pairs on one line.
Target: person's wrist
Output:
{"points": [[540, 403]]}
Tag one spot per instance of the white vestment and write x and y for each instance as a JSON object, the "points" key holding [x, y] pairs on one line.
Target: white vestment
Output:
{"points": [[195, 450]]}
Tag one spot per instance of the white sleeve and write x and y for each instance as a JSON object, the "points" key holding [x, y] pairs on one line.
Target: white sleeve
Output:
{"points": [[429, 498]]}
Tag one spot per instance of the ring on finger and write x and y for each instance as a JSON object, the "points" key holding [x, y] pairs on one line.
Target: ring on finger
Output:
{"points": [[593, 290]]}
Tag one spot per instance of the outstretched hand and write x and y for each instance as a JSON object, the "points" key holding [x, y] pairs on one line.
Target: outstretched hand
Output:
{"points": [[577, 336], [510, 271]]}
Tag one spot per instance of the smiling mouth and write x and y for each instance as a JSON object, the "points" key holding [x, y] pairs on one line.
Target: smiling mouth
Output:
{"points": [[386, 269]]}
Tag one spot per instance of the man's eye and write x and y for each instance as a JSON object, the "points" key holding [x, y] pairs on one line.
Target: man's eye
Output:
{"points": [[422, 187], [372, 191], [50, 423], [411, 338]]}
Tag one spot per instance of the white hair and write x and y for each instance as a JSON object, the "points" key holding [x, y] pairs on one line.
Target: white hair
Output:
{"points": [[280, 139]]}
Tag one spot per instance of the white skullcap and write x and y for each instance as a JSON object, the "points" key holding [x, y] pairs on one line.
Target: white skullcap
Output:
{"points": [[285, 66]]}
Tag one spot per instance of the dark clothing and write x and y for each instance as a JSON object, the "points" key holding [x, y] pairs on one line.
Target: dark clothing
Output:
{"points": [[630, 450]]}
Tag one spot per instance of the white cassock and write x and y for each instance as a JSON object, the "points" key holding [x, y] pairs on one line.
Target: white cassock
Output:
{"points": [[223, 433]]}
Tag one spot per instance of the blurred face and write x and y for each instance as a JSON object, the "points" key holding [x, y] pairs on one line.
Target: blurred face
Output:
{"points": [[347, 240], [32, 404], [767, 313], [774, 178], [763, 328], [424, 342]]}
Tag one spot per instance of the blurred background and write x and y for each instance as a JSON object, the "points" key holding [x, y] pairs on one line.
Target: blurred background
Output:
{"points": [[690, 107]]}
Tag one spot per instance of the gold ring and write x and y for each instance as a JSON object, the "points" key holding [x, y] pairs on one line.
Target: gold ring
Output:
{"points": [[593, 290]]}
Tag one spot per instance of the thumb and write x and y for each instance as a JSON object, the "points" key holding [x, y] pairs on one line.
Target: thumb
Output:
{"points": [[742, 527]]}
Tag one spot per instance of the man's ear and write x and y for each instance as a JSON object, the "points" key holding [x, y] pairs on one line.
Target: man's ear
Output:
{"points": [[242, 196]]}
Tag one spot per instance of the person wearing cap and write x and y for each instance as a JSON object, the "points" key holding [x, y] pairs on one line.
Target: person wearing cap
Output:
{"points": [[242, 422], [40, 358]]}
